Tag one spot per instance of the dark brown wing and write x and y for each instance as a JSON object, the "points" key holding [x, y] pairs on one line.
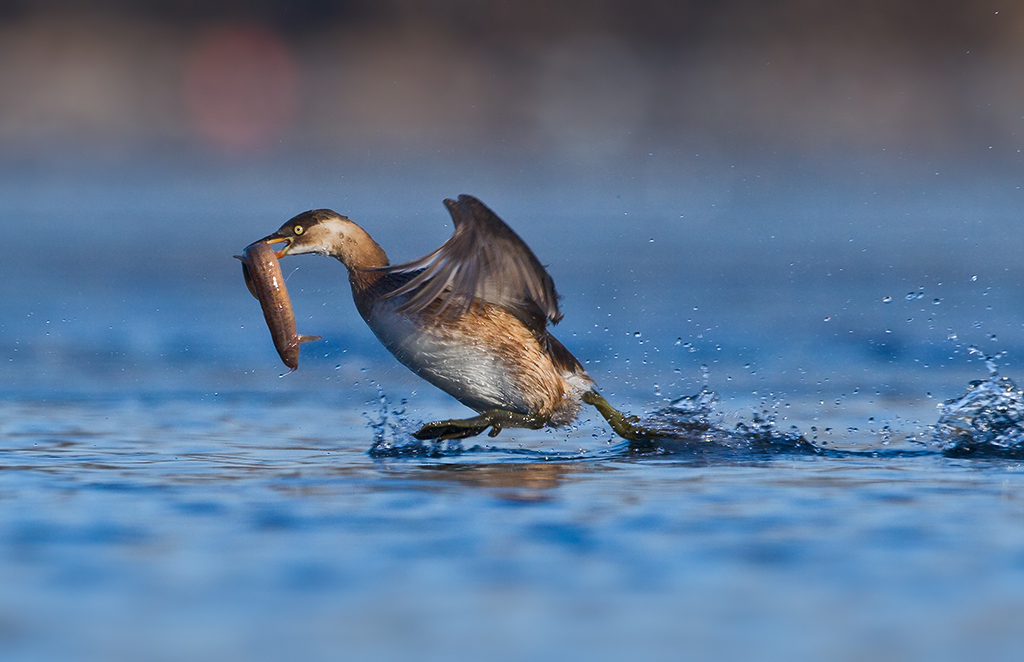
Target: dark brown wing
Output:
{"points": [[562, 358], [484, 259]]}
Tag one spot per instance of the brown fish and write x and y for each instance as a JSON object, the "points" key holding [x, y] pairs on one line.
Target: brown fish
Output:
{"points": [[264, 279]]}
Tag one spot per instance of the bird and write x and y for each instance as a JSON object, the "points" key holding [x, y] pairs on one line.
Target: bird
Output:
{"points": [[471, 318]]}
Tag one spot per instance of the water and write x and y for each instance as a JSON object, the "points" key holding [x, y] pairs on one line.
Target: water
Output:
{"points": [[843, 480], [987, 420], [181, 529]]}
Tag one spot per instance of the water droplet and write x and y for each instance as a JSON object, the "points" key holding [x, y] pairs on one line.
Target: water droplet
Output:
{"points": [[911, 296], [974, 278], [679, 341], [887, 299], [636, 334], [936, 301]]}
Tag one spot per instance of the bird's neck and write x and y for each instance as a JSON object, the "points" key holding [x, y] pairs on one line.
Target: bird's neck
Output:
{"points": [[362, 257]]}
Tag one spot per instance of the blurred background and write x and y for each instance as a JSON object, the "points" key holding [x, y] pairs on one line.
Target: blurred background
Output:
{"points": [[596, 84]]}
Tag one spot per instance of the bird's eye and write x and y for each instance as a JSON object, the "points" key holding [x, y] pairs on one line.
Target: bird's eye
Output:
{"points": [[298, 229]]}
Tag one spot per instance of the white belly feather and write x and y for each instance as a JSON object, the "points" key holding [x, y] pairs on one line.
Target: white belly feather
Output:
{"points": [[448, 358]]}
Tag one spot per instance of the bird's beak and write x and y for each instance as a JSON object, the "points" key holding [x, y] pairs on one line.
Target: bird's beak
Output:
{"points": [[276, 239]]}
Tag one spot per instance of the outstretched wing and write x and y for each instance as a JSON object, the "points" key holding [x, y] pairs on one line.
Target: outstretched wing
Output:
{"points": [[484, 259]]}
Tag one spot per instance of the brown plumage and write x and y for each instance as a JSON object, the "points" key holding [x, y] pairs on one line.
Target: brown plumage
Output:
{"points": [[484, 260], [471, 317]]}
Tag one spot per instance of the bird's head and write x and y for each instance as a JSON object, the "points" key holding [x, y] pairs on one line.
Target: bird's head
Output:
{"points": [[325, 232], [315, 231]]}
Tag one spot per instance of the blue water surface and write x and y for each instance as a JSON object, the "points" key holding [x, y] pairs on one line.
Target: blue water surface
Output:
{"points": [[168, 495]]}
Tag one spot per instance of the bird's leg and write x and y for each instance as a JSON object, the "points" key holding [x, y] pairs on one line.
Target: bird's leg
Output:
{"points": [[624, 426], [496, 419]]}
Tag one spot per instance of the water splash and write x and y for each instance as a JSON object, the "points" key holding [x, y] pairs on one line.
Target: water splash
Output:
{"points": [[990, 360], [693, 424], [987, 420], [688, 426], [392, 434]]}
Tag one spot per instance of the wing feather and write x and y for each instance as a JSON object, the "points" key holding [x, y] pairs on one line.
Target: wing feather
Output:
{"points": [[482, 260]]}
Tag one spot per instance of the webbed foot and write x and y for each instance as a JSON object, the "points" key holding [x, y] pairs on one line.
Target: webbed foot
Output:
{"points": [[441, 430], [496, 419]]}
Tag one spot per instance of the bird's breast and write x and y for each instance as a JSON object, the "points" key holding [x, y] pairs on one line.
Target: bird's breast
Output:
{"points": [[485, 361]]}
